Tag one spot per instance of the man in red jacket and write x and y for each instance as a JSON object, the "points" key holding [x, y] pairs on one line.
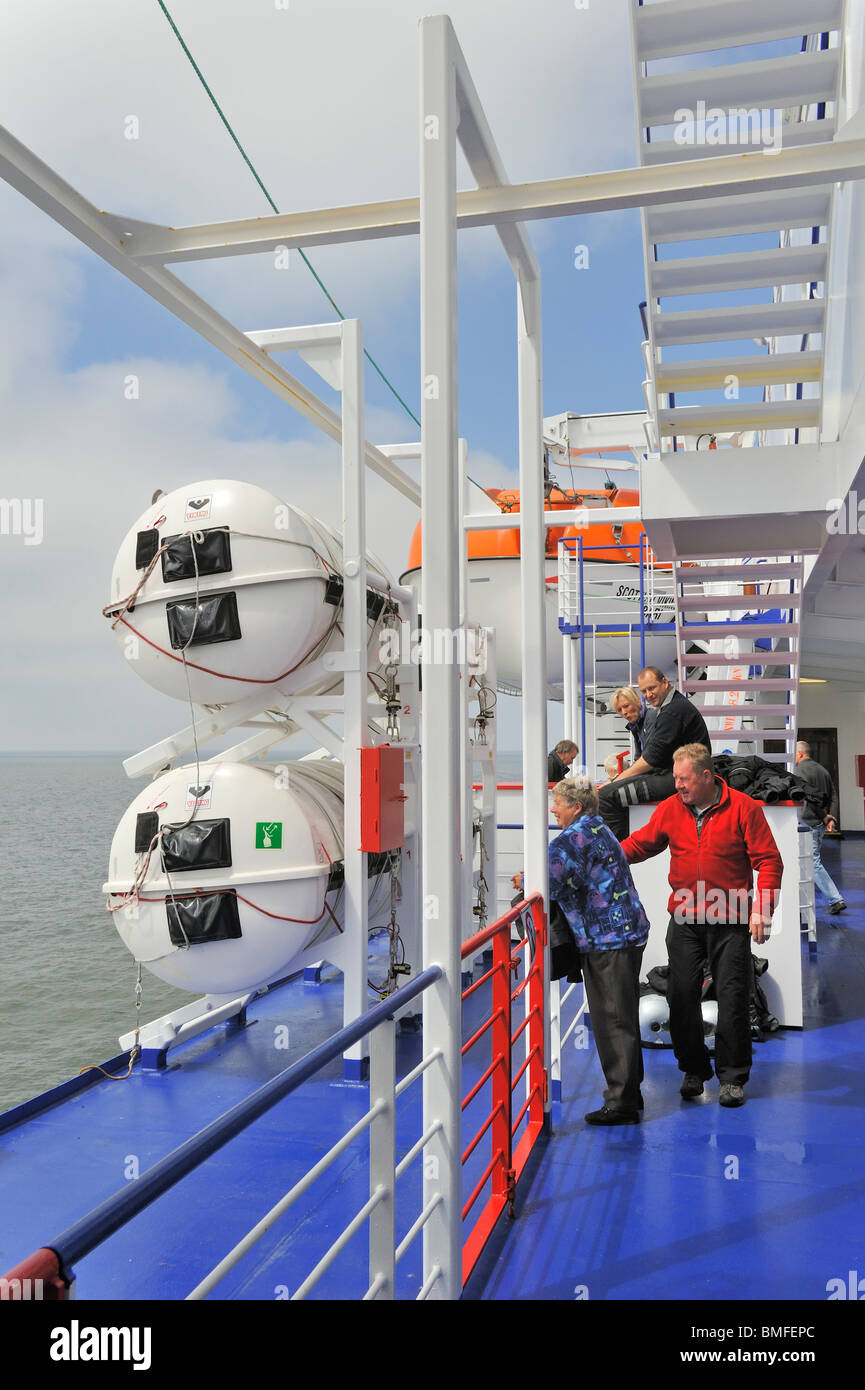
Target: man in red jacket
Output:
{"points": [[718, 839]]}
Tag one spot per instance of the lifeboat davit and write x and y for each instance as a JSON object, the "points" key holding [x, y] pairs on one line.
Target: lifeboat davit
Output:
{"points": [[611, 589]]}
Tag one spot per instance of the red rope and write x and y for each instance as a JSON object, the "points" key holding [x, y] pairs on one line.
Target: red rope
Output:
{"points": [[223, 675]]}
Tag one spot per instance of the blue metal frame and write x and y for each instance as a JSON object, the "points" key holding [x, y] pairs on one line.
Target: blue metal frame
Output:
{"points": [[603, 629]]}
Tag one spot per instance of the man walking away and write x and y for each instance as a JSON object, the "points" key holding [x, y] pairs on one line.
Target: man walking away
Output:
{"points": [[650, 777], [820, 821], [559, 761], [718, 840]]}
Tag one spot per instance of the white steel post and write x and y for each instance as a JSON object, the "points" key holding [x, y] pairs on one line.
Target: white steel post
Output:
{"points": [[533, 573], [382, 1159], [355, 733], [442, 537], [469, 924]]}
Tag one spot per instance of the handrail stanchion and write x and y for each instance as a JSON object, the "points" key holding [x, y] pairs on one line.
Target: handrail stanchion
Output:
{"points": [[382, 1160], [506, 1164], [501, 1058]]}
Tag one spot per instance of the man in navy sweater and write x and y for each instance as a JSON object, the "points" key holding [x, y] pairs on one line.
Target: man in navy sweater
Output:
{"points": [[650, 777]]}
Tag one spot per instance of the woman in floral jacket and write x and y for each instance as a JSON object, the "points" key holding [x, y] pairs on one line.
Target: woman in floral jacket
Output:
{"points": [[591, 882]]}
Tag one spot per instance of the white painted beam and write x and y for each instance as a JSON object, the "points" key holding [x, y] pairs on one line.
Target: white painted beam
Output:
{"points": [[680, 182]]}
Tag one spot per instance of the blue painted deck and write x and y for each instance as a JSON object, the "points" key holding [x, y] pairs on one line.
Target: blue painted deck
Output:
{"points": [[638, 1213], [648, 1212]]}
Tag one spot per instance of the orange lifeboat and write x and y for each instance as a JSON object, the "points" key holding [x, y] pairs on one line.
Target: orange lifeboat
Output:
{"points": [[611, 542], [611, 586]]}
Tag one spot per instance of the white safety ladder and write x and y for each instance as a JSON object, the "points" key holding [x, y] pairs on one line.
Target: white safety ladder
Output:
{"points": [[695, 111]]}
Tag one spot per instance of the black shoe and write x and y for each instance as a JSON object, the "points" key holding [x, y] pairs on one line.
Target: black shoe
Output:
{"points": [[605, 1116], [692, 1086], [835, 908], [731, 1094]]}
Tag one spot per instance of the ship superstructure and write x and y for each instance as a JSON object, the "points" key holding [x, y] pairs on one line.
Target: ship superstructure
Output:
{"points": [[733, 499]]}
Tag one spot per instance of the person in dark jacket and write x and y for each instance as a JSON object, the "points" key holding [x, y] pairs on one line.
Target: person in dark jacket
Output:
{"points": [[820, 817], [591, 883], [650, 777], [559, 761], [718, 838]]}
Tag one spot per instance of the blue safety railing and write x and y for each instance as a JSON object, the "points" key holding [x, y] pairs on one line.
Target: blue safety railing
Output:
{"points": [[93, 1229]]}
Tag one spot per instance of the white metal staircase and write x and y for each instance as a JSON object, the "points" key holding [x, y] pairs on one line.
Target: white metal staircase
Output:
{"points": [[736, 324], [791, 98], [747, 694]]}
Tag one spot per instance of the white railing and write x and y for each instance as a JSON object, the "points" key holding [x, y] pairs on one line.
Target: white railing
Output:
{"points": [[384, 1172]]}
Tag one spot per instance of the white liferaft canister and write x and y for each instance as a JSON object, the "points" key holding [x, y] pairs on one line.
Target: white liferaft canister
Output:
{"points": [[239, 594], [252, 840]]}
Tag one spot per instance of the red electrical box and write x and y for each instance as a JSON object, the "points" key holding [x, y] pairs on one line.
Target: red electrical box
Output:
{"points": [[382, 800], [860, 770]]}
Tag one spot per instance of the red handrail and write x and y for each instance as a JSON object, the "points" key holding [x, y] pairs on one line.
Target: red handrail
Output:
{"points": [[507, 1159]]}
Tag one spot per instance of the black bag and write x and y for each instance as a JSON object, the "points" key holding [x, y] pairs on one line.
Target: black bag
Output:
{"points": [[564, 956]]}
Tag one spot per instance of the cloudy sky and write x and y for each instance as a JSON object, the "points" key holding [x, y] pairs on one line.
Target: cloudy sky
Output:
{"points": [[323, 95]]}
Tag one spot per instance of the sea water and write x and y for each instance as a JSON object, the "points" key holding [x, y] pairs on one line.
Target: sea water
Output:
{"points": [[67, 982]]}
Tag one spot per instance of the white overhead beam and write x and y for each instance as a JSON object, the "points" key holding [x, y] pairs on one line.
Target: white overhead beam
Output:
{"points": [[721, 176], [43, 187]]}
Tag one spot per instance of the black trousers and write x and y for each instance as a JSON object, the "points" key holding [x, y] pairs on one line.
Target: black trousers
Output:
{"points": [[612, 981], [728, 951], [616, 797]]}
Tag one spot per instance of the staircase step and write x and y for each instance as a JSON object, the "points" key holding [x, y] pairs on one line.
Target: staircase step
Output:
{"points": [[764, 369], [756, 683], [745, 711], [700, 26], [750, 631], [746, 603], [783, 318], [796, 80], [789, 265], [752, 735], [762, 659], [739, 216], [740, 415], [794, 134], [693, 574]]}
